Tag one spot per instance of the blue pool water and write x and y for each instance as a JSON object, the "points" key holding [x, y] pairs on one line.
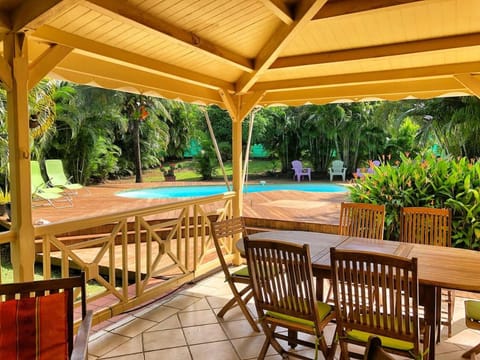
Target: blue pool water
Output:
{"points": [[167, 192]]}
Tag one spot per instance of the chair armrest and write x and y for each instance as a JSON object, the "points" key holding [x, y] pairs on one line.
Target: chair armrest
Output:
{"points": [[80, 346]]}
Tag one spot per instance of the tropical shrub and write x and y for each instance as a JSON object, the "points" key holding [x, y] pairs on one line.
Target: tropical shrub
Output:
{"points": [[430, 182]]}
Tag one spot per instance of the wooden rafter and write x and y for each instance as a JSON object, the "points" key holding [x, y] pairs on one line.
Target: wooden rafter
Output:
{"points": [[280, 38], [126, 12], [70, 40], [5, 74], [31, 14], [470, 82], [405, 48], [5, 23], [369, 77], [45, 63], [345, 7], [279, 9]]}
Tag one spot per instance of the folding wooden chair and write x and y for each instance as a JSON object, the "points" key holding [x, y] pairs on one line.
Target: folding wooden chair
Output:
{"points": [[224, 233], [282, 281], [37, 322], [377, 294], [430, 226], [374, 350], [362, 220]]}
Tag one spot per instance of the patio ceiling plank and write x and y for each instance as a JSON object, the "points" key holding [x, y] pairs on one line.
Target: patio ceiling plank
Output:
{"points": [[102, 49], [346, 7], [279, 9], [129, 13], [31, 14], [280, 38]]}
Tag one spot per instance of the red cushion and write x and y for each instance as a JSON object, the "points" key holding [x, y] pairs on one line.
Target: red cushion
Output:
{"points": [[34, 328]]}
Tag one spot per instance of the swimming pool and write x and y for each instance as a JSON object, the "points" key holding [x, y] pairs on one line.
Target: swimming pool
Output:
{"points": [[168, 192]]}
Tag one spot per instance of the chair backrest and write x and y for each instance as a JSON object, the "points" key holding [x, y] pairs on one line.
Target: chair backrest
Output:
{"points": [[376, 293], [56, 172], [374, 350], [36, 178], [337, 165], [362, 220], [422, 225], [282, 279], [39, 316], [224, 233], [297, 165]]}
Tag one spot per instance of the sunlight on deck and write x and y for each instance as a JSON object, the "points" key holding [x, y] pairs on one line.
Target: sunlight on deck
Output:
{"points": [[183, 325]]}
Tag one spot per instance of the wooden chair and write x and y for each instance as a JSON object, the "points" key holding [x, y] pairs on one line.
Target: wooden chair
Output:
{"points": [[430, 226], [362, 220], [224, 233], [377, 294], [472, 320], [374, 350], [37, 319], [282, 281]]}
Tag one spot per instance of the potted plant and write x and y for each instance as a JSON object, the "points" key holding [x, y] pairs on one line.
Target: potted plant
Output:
{"points": [[169, 173], [5, 204]]}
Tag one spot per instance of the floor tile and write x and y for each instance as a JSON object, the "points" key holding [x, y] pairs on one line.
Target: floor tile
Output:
{"points": [[158, 340], [204, 333], [178, 353], [214, 351], [194, 318]]}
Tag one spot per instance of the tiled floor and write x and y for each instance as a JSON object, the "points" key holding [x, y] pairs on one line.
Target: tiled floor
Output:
{"points": [[183, 326]]}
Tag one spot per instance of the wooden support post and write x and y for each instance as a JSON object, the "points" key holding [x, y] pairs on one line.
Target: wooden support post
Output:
{"points": [[23, 248]]}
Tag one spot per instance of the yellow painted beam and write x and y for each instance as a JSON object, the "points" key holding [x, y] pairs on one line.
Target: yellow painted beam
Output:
{"points": [[305, 11], [45, 63], [470, 82], [32, 14], [82, 69], [279, 9], [5, 23], [23, 248], [393, 90], [69, 40], [248, 102], [231, 104], [344, 7], [125, 12], [438, 71], [404, 48]]}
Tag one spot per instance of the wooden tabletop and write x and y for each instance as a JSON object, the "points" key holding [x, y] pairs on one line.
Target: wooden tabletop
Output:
{"points": [[444, 267]]}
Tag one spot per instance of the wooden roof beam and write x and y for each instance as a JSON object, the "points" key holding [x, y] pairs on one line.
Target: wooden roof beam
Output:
{"points": [[124, 11], [69, 40], [5, 74], [305, 11], [39, 68], [31, 14], [5, 24], [411, 47], [345, 7], [368, 77], [470, 82], [279, 9]]}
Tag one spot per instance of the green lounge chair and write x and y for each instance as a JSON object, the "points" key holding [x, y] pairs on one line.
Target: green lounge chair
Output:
{"points": [[56, 176], [42, 192]]}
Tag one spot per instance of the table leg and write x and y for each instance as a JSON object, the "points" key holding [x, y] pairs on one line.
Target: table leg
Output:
{"points": [[430, 309]]}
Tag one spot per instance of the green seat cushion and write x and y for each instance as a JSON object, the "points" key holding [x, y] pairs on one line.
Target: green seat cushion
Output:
{"points": [[322, 308], [472, 310], [242, 272], [387, 342]]}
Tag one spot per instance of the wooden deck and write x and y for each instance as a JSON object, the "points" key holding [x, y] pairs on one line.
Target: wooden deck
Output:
{"points": [[295, 206]]}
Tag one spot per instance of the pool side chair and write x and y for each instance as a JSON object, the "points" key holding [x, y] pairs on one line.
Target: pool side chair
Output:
{"points": [[337, 169], [225, 233], [472, 320], [283, 287], [42, 194], [386, 304], [431, 226], [37, 320], [299, 171], [37, 181], [56, 176]]}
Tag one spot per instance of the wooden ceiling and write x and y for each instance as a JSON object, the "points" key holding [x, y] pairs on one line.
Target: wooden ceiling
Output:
{"points": [[238, 53]]}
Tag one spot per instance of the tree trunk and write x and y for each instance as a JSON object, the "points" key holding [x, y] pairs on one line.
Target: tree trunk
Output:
{"points": [[137, 156]]}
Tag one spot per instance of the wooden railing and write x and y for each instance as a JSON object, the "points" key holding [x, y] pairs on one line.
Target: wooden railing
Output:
{"points": [[139, 255]]}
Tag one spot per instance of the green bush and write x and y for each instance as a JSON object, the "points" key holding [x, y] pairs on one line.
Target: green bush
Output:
{"points": [[430, 182]]}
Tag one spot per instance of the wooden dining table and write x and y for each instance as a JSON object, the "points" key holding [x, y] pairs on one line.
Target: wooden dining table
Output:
{"points": [[438, 267]]}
